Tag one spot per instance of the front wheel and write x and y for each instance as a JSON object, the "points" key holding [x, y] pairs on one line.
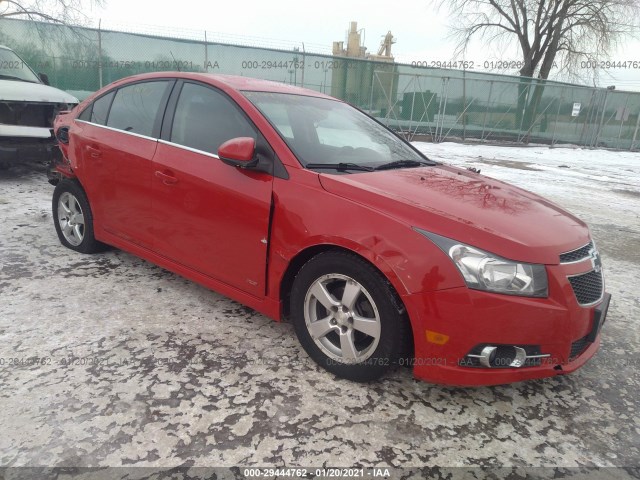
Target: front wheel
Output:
{"points": [[347, 316], [73, 218]]}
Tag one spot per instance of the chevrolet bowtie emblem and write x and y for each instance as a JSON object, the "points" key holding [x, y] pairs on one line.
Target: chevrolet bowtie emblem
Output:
{"points": [[596, 262]]}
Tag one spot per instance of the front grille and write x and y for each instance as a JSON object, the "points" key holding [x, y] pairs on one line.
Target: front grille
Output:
{"points": [[587, 287], [28, 114], [578, 347], [577, 254]]}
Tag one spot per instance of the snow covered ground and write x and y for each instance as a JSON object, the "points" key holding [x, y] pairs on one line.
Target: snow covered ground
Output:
{"points": [[144, 368], [573, 177]]}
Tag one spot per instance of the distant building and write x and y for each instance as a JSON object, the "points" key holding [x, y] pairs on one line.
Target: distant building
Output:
{"points": [[364, 83]]}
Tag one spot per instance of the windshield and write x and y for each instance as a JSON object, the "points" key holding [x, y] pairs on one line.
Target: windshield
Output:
{"points": [[12, 67], [324, 132]]}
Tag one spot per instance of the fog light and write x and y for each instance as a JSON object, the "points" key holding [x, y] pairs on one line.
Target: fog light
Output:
{"points": [[504, 356]]}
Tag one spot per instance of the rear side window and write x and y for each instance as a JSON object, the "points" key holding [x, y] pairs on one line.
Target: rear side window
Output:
{"points": [[205, 119], [135, 107]]}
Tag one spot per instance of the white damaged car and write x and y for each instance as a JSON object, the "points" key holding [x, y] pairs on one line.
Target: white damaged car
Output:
{"points": [[28, 106]]}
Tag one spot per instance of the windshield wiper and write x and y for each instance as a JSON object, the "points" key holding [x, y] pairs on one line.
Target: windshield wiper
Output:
{"points": [[402, 164], [12, 77], [341, 167]]}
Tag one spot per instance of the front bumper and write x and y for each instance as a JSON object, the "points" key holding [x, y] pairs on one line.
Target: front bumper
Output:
{"points": [[14, 150], [449, 324]]}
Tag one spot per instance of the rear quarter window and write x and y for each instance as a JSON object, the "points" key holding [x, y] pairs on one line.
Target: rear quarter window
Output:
{"points": [[97, 111]]}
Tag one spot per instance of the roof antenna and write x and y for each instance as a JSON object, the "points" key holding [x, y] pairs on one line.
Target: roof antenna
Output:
{"points": [[174, 61]]}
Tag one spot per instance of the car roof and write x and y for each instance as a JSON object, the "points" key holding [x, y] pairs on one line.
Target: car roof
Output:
{"points": [[233, 82]]}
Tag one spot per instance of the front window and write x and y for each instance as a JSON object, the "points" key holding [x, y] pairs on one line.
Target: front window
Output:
{"points": [[12, 67], [205, 119], [323, 131]]}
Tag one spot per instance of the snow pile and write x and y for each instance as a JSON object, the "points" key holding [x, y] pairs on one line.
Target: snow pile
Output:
{"points": [[598, 185]]}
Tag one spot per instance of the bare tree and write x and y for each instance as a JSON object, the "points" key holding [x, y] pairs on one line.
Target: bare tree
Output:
{"points": [[68, 12], [65, 15], [547, 32]]}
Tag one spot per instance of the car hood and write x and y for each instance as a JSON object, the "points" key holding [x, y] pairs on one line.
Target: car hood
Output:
{"points": [[468, 207], [17, 91]]}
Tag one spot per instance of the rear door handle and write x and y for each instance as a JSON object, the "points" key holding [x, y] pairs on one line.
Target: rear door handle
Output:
{"points": [[166, 179], [94, 152]]}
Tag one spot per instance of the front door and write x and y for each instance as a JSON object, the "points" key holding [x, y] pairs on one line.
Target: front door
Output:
{"points": [[210, 216]]}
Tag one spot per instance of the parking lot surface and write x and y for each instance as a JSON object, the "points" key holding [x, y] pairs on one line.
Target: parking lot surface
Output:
{"points": [[108, 360]]}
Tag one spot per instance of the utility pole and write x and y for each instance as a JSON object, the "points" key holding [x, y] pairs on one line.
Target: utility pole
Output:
{"points": [[100, 52]]}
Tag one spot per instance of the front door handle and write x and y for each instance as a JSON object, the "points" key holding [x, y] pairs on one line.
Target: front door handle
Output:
{"points": [[94, 152], [166, 179]]}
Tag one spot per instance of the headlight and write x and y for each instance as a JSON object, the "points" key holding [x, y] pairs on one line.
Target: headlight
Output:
{"points": [[485, 271]]}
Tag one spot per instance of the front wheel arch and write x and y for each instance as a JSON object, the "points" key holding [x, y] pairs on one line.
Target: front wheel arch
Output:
{"points": [[302, 257], [404, 347]]}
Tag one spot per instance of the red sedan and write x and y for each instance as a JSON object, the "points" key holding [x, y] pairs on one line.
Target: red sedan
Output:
{"points": [[303, 207]]}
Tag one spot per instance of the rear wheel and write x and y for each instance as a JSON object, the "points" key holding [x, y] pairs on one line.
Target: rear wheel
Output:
{"points": [[73, 218], [347, 316]]}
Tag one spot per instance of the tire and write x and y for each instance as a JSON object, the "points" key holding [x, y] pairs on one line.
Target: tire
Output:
{"points": [[73, 218], [359, 339], [53, 176]]}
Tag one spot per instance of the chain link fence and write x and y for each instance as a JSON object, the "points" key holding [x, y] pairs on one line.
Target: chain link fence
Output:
{"points": [[432, 103]]}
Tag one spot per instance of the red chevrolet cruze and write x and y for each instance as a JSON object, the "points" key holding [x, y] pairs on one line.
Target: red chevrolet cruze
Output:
{"points": [[301, 206]]}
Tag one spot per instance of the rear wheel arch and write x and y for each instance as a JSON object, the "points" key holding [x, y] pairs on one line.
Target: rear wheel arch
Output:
{"points": [[75, 179], [73, 217]]}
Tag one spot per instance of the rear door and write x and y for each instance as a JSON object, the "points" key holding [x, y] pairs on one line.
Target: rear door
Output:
{"points": [[87, 141], [119, 155], [210, 216]]}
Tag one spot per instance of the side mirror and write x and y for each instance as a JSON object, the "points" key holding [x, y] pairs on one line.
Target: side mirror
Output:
{"points": [[44, 78], [239, 152]]}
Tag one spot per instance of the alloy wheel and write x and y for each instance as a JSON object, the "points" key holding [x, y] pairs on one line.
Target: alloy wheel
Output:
{"points": [[342, 318], [71, 219]]}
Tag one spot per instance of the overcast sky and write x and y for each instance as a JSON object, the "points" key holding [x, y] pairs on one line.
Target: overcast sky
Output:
{"points": [[420, 29]]}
